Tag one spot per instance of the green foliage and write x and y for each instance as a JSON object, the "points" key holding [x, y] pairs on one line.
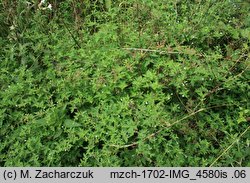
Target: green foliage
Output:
{"points": [[124, 83]]}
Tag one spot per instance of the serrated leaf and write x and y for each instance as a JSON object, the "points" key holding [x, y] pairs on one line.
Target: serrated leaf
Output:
{"points": [[71, 124]]}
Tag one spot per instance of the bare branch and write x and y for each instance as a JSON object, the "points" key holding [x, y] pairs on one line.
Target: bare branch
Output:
{"points": [[149, 50]]}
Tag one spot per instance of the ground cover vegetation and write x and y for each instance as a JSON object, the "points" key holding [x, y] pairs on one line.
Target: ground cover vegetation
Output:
{"points": [[124, 83]]}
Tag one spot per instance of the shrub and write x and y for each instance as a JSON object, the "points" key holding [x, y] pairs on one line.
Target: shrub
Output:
{"points": [[150, 83]]}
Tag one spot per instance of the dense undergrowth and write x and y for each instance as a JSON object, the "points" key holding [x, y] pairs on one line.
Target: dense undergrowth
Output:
{"points": [[124, 83]]}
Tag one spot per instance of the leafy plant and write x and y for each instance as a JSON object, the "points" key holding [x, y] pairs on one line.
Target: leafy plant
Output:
{"points": [[124, 83]]}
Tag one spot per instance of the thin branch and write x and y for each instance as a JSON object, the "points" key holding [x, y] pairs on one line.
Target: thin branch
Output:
{"points": [[230, 146], [167, 125], [71, 34], [217, 87], [238, 60], [149, 50], [187, 109], [154, 134]]}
